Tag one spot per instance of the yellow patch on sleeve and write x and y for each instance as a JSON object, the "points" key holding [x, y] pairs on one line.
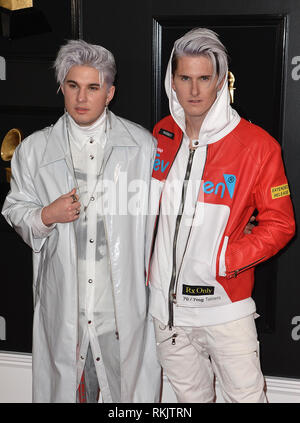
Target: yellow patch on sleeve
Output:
{"points": [[280, 191]]}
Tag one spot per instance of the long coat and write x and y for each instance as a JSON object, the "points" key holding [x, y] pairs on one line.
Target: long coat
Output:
{"points": [[41, 172]]}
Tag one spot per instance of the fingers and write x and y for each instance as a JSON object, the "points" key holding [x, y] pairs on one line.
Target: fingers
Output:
{"points": [[75, 205], [248, 229], [71, 215], [74, 209], [72, 195], [68, 194], [64, 209], [74, 215], [72, 201]]}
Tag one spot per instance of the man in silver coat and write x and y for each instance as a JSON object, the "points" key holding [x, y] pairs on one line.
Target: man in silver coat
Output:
{"points": [[79, 199]]}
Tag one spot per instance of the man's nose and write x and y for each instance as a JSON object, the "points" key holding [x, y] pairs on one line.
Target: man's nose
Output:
{"points": [[81, 95], [195, 88]]}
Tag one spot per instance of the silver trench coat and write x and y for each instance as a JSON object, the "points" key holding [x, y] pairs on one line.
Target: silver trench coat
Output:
{"points": [[41, 172]]}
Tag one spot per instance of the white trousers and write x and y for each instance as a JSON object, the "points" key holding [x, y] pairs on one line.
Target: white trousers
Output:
{"points": [[191, 357]]}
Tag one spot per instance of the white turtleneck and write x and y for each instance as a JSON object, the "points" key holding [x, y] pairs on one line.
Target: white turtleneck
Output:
{"points": [[82, 134]]}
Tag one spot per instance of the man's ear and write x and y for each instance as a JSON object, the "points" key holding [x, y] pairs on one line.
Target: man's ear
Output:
{"points": [[110, 94], [172, 83], [220, 84]]}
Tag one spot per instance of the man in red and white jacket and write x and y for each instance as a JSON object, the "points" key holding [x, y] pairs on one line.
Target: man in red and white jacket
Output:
{"points": [[212, 170]]}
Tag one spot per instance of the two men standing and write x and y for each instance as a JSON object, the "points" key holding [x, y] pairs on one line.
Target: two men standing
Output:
{"points": [[91, 321]]}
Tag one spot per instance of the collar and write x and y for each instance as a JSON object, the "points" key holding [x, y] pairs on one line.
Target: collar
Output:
{"points": [[57, 147], [81, 135]]}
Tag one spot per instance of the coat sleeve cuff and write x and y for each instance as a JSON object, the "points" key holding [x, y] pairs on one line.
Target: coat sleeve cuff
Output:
{"points": [[40, 230]]}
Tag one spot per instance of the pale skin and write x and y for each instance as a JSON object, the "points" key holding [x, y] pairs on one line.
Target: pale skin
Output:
{"points": [[85, 101], [196, 88]]}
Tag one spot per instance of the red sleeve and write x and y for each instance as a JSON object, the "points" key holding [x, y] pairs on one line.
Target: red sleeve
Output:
{"points": [[276, 224]]}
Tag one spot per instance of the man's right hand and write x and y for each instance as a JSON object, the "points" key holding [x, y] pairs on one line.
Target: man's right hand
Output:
{"points": [[63, 210], [250, 225]]}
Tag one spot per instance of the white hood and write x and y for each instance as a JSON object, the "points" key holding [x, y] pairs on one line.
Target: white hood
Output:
{"points": [[219, 121]]}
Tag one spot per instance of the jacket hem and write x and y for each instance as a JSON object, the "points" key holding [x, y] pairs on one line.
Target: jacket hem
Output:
{"points": [[184, 316], [197, 317]]}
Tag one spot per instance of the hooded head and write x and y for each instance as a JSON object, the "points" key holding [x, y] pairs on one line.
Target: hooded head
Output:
{"points": [[201, 55], [202, 42]]}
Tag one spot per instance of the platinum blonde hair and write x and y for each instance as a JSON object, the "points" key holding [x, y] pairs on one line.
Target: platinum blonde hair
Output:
{"points": [[79, 52], [202, 42]]}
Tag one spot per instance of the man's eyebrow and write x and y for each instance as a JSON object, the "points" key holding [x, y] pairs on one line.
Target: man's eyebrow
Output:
{"points": [[183, 74], [91, 84]]}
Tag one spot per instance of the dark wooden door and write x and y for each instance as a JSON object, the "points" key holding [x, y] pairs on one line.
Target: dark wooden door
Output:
{"points": [[29, 40]]}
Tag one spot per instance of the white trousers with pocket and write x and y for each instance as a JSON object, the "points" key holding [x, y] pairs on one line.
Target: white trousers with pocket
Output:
{"points": [[192, 356]]}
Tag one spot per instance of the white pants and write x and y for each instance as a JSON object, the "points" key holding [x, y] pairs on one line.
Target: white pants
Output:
{"points": [[229, 351]]}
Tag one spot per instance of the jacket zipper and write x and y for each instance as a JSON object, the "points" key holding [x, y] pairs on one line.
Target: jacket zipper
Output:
{"points": [[185, 249], [234, 273], [172, 293], [173, 337]]}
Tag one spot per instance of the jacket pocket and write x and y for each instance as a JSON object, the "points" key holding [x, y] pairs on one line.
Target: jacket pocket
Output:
{"points": [[235, 273], [222, 265], [164, 334]]}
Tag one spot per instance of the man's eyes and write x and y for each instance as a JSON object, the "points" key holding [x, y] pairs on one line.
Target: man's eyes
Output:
{"points": [[91, 88], [202, 78]]}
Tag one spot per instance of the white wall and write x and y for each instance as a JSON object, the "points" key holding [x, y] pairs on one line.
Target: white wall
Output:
{"points": [[15, 383], [15, 378]]}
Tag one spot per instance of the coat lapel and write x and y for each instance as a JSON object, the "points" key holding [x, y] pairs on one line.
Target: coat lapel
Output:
{"points": [[57, 146], [118, 134]]}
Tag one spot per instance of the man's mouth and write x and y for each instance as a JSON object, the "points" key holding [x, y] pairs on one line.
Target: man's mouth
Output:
{"points": [[81, 109]]}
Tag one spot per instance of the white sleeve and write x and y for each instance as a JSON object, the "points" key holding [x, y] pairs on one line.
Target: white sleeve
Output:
{"points": [[39, 229]]}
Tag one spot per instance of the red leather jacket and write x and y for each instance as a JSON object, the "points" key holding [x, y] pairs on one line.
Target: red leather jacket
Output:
{"points": [[241, 172]]}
